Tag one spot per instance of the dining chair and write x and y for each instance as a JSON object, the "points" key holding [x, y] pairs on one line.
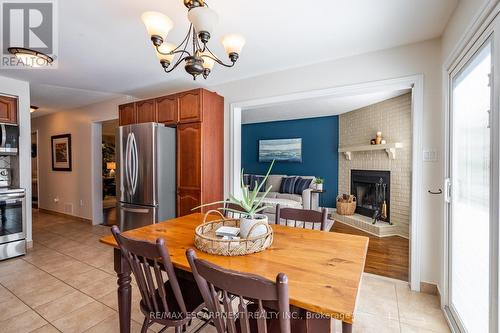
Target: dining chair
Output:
{"points": [[229, 210], [302, 218], [260, 305], [170, 303]]}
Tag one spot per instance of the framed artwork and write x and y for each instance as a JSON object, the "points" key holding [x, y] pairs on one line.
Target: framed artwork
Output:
{"points": [[61, 152], [281, 150]]}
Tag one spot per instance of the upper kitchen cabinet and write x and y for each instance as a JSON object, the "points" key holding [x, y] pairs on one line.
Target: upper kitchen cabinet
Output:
{"points": [[127, 114], [146, 111], [167, 110], [8, 110], [190, 106]]}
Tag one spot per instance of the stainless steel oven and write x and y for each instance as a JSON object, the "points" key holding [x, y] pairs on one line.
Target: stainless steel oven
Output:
{"points": [[12, 223]]}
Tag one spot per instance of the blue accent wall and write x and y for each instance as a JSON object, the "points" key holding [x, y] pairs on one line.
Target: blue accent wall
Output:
{"points": [[320, 140]]}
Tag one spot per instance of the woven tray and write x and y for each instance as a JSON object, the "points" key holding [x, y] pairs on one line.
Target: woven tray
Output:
{"points": [[205, 239]]}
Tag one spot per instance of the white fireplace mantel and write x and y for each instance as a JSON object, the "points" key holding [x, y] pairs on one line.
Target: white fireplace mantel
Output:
{"points": [[390, 149]]}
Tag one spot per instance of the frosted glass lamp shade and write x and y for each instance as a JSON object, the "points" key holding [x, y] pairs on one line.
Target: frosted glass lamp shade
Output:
{"points": [[165, 48], [203, 19], [208, 63], [233, 43], [157, 24]]}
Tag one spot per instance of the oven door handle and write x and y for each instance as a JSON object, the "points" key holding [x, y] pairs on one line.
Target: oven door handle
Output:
{"points": [[4, 197]]}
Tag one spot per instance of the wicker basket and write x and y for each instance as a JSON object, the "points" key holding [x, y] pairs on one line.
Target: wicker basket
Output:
{"points": [[346, 208], [205, 239]]}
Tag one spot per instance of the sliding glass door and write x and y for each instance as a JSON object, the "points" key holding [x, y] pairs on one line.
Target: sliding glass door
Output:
{"points": [[472, 191]]}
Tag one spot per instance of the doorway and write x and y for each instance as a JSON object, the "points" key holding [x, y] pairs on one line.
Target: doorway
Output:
{"points": [[413, 83], [108, 171], [34, 169]]}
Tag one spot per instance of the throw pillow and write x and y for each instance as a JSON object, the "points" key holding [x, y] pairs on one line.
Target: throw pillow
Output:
{"points": [[288, 185], [257, 179], [302, 184], [246, 179]]}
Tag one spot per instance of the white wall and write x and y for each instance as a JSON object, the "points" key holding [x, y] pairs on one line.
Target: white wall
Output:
{"points": [[463, 16], [21, 90], [422, 58], [75, 186]]}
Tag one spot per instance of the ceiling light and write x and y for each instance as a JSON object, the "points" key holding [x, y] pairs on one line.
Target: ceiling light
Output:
{"points": [[33, 108], [30, 57], [193, 50]]}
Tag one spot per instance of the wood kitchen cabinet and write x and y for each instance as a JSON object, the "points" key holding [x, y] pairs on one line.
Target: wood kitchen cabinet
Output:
{"points": [[198, 115], [8, 110], [190, 106], [146, 111], [127, 114], [167, 110]]}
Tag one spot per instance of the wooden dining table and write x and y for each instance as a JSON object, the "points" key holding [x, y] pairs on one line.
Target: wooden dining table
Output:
{"points": [[324, 269]]}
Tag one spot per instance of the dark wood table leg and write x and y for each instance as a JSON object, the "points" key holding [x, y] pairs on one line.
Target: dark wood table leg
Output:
{"points": [[346, 327], [122, 269]]}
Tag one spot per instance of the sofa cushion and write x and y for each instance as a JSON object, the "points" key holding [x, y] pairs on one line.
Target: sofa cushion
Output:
{"points": [[302, 184], [272, 202], [288, 184], [275, 182], [289, 196]]}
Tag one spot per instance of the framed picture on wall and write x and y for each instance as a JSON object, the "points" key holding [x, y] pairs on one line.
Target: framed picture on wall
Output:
{"points": [[61, 152], [281, 150]]}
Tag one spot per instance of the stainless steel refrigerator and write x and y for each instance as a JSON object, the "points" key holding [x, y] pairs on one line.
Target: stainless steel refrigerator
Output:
{"points": [[146, 188]]}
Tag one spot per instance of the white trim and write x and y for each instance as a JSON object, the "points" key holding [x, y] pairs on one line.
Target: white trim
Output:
{"points": [[480, 28], [96, 171], [414, 82]]}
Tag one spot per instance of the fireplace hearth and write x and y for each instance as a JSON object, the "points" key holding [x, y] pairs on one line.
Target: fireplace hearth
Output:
{"points": [[371, 188]]}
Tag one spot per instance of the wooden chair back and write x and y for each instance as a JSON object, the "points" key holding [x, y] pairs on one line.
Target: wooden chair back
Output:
{"points": [[229, 212], [147, 261], [302, 218], [250, 291]]}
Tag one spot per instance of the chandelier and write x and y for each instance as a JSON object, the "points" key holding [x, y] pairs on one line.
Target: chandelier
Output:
{"points": [[193, 50]]}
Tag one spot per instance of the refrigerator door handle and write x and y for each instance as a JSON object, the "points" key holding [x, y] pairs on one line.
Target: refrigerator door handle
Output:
{"points": [[135, 164], [128, 164], [135, 210]]}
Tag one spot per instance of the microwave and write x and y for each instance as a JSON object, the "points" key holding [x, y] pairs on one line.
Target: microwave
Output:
{"points": [[9, 136]]}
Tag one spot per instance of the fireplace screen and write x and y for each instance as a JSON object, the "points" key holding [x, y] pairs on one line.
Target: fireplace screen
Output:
{"points": [[372, 191]]}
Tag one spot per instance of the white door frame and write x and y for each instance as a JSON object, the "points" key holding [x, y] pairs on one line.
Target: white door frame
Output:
{"points": [[475, 36], [96, 169], [415, 83]]}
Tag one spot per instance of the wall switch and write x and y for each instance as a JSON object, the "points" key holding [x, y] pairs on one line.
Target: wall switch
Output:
{"points": [[430, 155], [81, 203]]}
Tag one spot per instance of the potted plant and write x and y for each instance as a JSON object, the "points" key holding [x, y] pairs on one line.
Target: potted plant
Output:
{"points": [[318, 182], [251, 205]]}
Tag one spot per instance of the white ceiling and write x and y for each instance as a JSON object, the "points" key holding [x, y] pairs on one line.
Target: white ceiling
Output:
{"points": [[104, 48], [318, 107]]}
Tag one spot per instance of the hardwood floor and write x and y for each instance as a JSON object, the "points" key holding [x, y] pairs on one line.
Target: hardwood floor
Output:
{"points": [[387, 256]]}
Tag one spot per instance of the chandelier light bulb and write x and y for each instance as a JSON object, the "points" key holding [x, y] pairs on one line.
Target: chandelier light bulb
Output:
{"points": [[208, 63], [203, 19], [157, 24], [233, 43], [162, 51]]}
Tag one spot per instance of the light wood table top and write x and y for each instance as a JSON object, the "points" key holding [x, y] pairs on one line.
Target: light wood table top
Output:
{"points": [[324, 268]]}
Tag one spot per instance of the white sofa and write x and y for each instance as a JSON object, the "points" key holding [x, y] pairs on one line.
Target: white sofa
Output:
{"points": [[274, 197]]}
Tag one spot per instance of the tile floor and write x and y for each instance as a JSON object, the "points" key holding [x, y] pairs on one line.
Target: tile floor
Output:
{"points": [[66, 283]]}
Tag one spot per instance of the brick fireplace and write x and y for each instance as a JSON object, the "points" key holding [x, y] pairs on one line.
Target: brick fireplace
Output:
{"points": [[393, 118]]}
